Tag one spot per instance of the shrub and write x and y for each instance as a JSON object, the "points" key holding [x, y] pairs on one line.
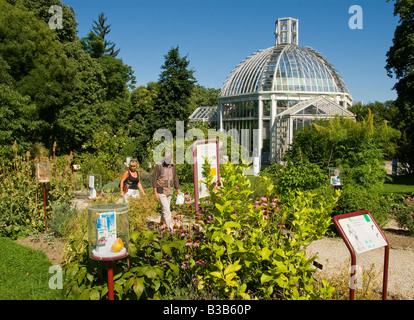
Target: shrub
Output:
{"points": [[232, 248], [404, 214], [355, 199], [358, 147], [105, 155], [139, 210], [296, 176], [258, 251]]}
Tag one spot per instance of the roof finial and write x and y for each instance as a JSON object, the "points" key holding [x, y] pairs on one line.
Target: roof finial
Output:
{"points": [[287, 31]]}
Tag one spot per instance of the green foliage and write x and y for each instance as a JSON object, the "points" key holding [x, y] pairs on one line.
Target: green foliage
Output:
{"points": [[295, 176], [153, 270], [95, 43], [21, 197], [106, 155], [143, 122], [176, 84], [382, 111], [358, 147], [254, 250], [52, 90], [233, 248], [404, 214], [59, 220], [17, 120], [400, 64], [357, 199], [40, 8], [203, 97], [34, 65], [119, 78]]}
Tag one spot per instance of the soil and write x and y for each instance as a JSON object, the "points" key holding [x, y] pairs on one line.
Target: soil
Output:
{"points": [[53, 247]]}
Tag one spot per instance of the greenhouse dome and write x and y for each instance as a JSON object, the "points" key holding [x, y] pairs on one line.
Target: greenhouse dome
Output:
{"points": [[285, 68], [264, 87]]}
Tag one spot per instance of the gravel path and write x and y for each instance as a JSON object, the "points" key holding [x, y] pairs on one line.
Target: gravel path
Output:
{"points": [[334, 256]]}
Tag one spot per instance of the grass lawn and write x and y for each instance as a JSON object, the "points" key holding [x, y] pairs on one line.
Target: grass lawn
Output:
{"points": [[24, 273], [400, 184]]}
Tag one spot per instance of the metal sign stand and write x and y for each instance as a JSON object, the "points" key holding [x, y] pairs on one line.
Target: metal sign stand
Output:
{"points": [[361, 233]]}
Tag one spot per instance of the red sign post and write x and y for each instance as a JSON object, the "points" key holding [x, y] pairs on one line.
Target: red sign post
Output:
{"points": [[361, 233], [43, 176]]}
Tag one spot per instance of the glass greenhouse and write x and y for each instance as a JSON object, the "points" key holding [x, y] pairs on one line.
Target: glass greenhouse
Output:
{"points": [[275, 91]]}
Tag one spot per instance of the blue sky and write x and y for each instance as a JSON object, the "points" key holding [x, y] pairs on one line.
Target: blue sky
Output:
{"points": [[218, 34]]}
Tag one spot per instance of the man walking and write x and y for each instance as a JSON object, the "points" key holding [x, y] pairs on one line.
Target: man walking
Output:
{"points": [[163, 181]]}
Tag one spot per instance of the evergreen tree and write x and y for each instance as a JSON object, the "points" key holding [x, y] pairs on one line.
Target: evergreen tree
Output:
{"points": [[96, 42], [176, 84]]}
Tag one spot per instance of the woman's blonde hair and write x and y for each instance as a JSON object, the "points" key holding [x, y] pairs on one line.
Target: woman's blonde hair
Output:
{"points": [[134, 162]]}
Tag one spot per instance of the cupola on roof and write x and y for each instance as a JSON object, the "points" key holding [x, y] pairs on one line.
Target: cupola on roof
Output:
{"points": [[284, 68]]}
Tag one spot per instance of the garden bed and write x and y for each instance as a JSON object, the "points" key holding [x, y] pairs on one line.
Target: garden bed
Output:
{"points": [[53, 247]]}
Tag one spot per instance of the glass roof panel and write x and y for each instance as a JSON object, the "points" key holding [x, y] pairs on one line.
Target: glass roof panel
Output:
{"points": [[284, 68]]}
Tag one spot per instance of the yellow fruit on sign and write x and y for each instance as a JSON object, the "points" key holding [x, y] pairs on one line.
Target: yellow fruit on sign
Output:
{"points": [[117, 246]]}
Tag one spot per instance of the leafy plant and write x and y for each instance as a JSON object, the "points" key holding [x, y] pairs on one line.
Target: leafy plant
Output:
{"points": [[358, 147], [355, 199], [404, 214], [296, 176], [255, 251], [105, 154], [21, 197], [153, 270]]}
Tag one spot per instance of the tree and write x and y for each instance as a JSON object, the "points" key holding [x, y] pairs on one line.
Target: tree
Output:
{"points": [[142, 120], [400, 63], [40, 8], [83, 115], [202, 97], [119, 77], [38, 70], [51, 90], [381, 111], [102, 30], [176, 84], [96, 43]]}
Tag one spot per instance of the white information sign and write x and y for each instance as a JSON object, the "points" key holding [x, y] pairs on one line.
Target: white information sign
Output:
{"points": [[91, 181], [362, 233], [204, 151]]}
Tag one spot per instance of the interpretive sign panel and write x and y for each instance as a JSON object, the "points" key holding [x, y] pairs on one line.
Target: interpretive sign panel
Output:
{"points": [[362, 232], [203, 149], [206, 151]]}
